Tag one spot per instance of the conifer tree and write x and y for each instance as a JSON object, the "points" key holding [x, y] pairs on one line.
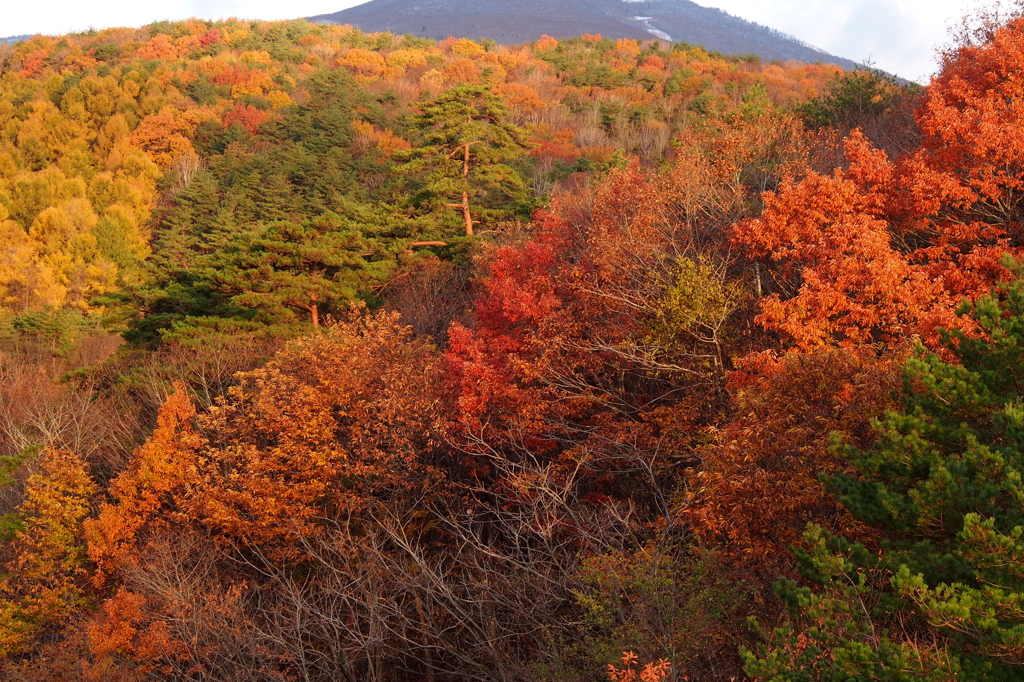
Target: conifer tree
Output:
{"points": [[466, 141], [307, 266], [944, 483]]}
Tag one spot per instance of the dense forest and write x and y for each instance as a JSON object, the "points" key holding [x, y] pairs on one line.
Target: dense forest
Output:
{"points": [[328, 355]]}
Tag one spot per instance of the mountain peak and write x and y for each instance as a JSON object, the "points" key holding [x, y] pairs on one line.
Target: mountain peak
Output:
{"points": [[526, 20]]}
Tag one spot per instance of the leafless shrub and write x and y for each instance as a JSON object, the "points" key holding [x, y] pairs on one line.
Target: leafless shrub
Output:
{"points": [[186, 587], [372, 180], [430, 296], [589, 131], [6, 53], [408, 87], [324, 52], [439, 589], [186, 167], [207, 366], [38, 407], [543, 184], [487, 594], [980, 25], [557, 116], [652, 139], [542, 78]]}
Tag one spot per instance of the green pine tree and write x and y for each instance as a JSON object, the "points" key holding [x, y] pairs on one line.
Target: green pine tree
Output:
{"points": [[944, 483], [312, 266], [466, 142]]}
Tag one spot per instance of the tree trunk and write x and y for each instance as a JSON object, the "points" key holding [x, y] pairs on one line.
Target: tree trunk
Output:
{"points": [[312, 308], [467, 218], [465, 193]]}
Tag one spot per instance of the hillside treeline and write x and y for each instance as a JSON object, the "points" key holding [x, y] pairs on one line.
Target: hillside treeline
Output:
{"points": [[336, 356]]}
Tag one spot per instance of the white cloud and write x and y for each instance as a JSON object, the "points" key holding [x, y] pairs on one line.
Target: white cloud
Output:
{"points": [[897, 35]]}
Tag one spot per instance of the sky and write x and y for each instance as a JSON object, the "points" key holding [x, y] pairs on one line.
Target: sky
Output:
{"points": [[899, 36]]}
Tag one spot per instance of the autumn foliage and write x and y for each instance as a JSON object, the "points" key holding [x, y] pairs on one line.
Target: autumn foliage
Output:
{"points": [[338, 356], [48, 568]]}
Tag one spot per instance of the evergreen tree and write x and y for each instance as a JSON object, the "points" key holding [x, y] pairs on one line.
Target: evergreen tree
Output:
{"points": [[310, 266], [466, 142], [943, 483], [274, 223]]}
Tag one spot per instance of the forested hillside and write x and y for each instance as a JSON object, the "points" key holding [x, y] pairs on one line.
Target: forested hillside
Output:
{"points": [[338, 356]]}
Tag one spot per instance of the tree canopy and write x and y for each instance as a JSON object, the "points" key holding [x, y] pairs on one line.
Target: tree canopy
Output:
{"points": [[328, 355]]}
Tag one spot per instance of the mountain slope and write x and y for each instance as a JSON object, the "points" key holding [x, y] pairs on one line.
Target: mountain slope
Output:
{"points": [[526, 20]]}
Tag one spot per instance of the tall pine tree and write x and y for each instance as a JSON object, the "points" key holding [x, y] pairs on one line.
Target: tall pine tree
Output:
{"points": [[466, 142]]}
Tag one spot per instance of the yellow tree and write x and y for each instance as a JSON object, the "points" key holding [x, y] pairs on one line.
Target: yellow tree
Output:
{"points": [[24, 281], [45, 583]]}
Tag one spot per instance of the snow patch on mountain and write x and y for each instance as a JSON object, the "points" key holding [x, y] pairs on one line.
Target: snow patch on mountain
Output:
{"points": [[646, 21]]}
